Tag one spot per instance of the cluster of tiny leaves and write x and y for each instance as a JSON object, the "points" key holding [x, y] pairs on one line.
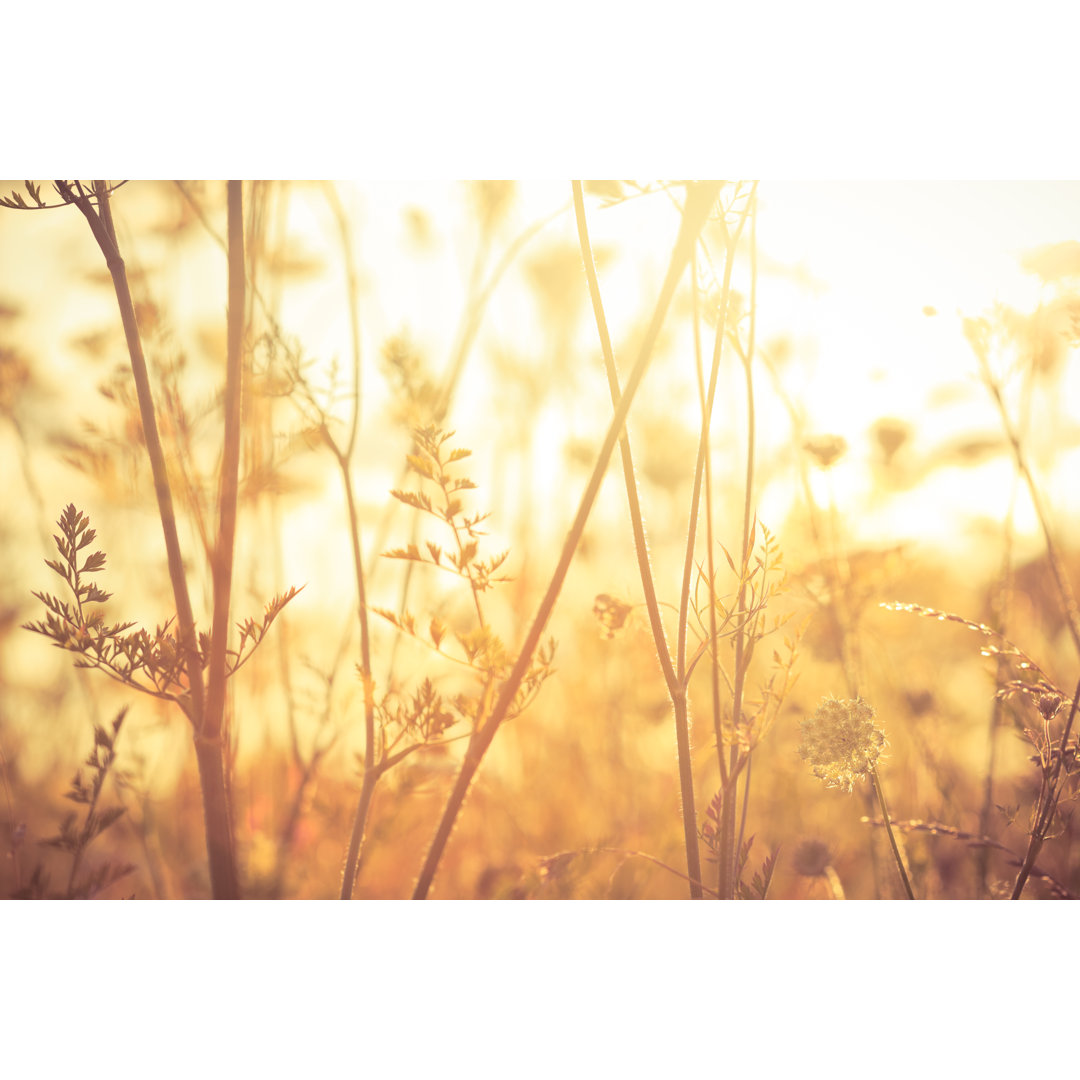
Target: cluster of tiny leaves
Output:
{"points": [[75, 837], [66, 191], [758, 888], [760, 579], [15, 201], [409, 378], [710, 827], [422, 717], [153, 663], [841, 742], [432, 461], [478, 647]]}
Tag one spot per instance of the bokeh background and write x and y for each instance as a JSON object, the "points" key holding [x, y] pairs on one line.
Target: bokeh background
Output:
{"points": [[881, 467]]}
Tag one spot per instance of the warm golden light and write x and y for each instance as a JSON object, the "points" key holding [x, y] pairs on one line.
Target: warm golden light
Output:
{"points": [[506, 669]]}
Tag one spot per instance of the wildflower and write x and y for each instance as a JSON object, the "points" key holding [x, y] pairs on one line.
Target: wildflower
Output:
{"points": [[842, 745], [841, 742], [812, 858], [1049, 705], [612, 613]]}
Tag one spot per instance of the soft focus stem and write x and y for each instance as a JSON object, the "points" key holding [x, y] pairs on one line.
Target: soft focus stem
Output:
{"points": [[208, 746], [875, 783], [675, 686], [1049, 796], [699, 201]]}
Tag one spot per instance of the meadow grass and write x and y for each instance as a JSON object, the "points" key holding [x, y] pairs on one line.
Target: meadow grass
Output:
{"points": [[431, 737]]}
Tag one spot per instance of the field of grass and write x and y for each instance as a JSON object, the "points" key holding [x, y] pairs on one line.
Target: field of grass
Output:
{"points": [[490, 541]]}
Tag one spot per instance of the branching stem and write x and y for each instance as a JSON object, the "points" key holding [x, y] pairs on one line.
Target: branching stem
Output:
{"points": [[641, 549], [209, 750], [699, 202]]}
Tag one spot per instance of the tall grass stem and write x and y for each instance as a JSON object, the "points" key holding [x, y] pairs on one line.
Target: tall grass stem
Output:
{"points": [[641, 550], [699, 202], [875, 783]]}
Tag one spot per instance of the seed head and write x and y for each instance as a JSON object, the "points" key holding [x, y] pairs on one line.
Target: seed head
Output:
{"points": [[841, 742], [812, 858], [1049, 705]]}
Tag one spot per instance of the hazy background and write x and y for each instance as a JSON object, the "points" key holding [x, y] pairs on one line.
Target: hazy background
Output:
{"points": [[862, 293]]}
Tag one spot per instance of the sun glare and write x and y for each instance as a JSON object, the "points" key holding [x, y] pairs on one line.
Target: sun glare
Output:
{"points": [[352, 481]]}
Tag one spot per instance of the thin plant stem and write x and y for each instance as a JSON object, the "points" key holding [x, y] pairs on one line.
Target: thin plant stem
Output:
{"points": [[469, 326], [742, 815], [474, 313], [631, 854], [714, 665], [641, 550], [875, 783], [353, 287], [699, 471], [699, 203], [84, 840], [729, 846], [1048, 801], [209, 737], [100, 222], [212, 771], [997, 711], [343, 458], [979, 842], [371, 774], [1068, 600], [14, 850], [681, 705]]}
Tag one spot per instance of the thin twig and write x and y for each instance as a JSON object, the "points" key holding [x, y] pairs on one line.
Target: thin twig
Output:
{"points": [[675, 688], [1049, 795], [633, 855], [699, 202]]}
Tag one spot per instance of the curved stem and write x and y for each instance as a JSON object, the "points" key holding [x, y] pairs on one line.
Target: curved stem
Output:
{"points": [[710, 566], [875, 783], [371, 773], [101, 225], [728, 845], [641, 549], [699, 202], [632, 854], [356, 841], [1053, 556], [213, 776]]}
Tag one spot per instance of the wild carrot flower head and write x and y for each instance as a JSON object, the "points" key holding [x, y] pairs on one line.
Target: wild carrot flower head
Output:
{"points": [[841, 742]]}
